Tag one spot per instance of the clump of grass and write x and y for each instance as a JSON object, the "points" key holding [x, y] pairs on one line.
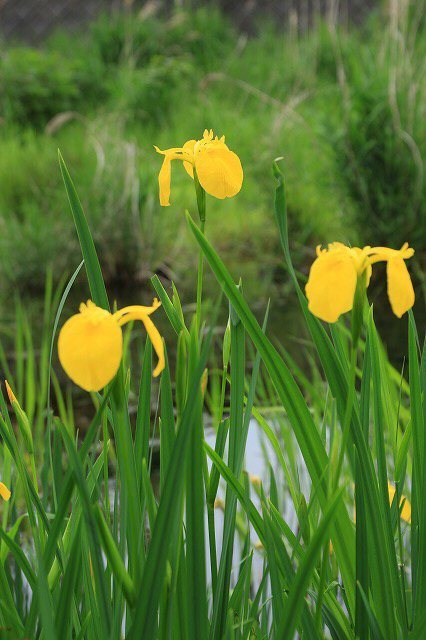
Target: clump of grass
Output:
{"points": [[379, 147], [39, 84]]}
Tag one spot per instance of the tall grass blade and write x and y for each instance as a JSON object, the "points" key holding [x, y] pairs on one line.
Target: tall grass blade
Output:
{"points": [[293, 605], [168, 515], [307, 435], [93, 268], [418, 417]]}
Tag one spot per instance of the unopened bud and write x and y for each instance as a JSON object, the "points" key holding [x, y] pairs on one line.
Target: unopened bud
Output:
{"points": [[21, 416], [255, 480], [4, 492], [12, 397], [204, 379]]}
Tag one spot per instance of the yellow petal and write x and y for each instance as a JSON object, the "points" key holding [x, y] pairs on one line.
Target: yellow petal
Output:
{"points": [[138, 309], [406, 509], [331, 285], [164, 178], [400, 288], [219, 170], [4, 492], [139, 313], [188, 147], [90, 347], [157, 343], [361, 261]]}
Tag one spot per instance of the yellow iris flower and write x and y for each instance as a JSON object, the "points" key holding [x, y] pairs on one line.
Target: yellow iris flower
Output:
{"points": [[4, 492], [90, 344], [219, 170], [333, 278], [406, 509]]}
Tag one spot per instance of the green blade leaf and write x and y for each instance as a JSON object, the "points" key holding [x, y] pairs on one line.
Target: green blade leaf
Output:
{"points": [[293, 606], [93, 268], [298, 413]]}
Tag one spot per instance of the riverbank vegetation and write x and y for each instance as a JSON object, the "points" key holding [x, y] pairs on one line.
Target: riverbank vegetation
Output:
{"points": [[146, 347], [91, 546], [343, 105]]}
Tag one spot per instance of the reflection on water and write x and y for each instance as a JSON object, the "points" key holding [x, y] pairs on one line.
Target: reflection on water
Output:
{"points": [[259, 454]]}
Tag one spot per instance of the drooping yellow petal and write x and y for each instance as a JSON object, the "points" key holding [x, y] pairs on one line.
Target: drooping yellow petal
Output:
{"points": [[219, 170], [4, 492], [400, 288], [157, 343], [164, 178], [331, 285], [137, 313], [137, 308], [406, 509], [90, 347]]}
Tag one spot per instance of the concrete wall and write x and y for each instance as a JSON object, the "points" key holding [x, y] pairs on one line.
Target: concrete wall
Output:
{"points": [[32, 20]]}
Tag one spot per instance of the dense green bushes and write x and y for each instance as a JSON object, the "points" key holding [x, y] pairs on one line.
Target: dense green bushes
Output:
{"points": [[322, 100], [36, 85], [380, 148]]}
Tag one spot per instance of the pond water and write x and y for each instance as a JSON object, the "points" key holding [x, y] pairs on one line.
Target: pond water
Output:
{"points": [[259, 455]]}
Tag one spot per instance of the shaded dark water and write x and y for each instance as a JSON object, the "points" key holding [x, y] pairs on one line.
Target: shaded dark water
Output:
{"points": [[286, 325]]}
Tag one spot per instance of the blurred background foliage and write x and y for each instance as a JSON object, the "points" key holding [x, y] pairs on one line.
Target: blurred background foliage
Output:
{"points": [[344, 105]]}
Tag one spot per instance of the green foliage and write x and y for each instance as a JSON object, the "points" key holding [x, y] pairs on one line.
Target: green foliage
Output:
{"points": [[343, 107], [36, 85], [91, 546], [203, 34], [380, 147], [146, 94]]}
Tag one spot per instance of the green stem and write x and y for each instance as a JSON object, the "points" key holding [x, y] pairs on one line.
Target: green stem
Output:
{"points": [[321, 588], [106, 477], [200, 279], [34, 471], [348, 413], [201, 205], [212, 546], [357, 323]]}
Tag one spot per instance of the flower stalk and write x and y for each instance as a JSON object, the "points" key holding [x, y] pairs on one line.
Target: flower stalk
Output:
{"points": [[201, 205]]}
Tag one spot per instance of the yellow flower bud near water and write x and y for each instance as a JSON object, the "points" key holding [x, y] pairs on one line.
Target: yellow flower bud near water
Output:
{"points": [[22, 418], [334, 273], [218, 169], [406, 509], [256, 481], [90, 344], [4, 492], [10, 394]]}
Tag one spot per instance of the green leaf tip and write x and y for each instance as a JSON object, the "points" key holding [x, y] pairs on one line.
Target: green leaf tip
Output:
{"points": [[278, 173]]}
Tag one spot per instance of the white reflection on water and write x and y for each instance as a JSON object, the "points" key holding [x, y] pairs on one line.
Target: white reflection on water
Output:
{"points": [[259, 454]]}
